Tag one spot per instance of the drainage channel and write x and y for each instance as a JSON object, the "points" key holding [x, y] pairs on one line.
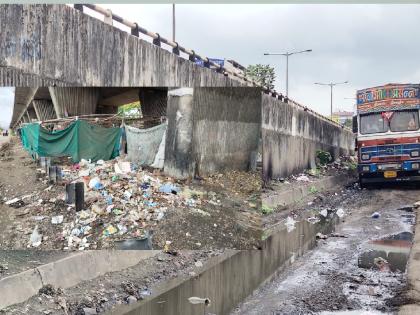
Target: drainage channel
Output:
{"points": [[228, 279]]}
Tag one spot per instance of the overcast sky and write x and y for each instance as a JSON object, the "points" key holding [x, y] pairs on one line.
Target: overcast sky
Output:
{"points": [[367, 45], [7, 97]]}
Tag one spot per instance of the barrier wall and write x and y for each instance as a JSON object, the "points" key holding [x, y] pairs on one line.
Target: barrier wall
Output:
{"points": [[291, 135]]}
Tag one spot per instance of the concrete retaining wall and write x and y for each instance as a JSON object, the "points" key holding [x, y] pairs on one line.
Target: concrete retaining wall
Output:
{"points": [[56, 44], [227, 128], [291, 135], [211, 129]]}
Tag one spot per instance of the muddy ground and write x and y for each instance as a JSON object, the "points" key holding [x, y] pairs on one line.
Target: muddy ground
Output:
{"points": [[115, 288], [334, 277], [226, 216]]}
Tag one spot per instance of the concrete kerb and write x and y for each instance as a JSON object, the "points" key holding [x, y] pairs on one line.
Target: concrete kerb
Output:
{"points": [[296, 194], [413, 272], [67, 272]]}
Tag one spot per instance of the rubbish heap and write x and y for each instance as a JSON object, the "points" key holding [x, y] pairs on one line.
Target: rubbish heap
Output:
{"points": [[121, 201]]}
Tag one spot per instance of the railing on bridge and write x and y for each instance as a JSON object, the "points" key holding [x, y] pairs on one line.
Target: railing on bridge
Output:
{"points": [[176, 49]]}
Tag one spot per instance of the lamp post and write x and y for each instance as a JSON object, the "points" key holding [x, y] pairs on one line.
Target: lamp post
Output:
{"points": [[331, 85], [173, 22], [287, 54]]}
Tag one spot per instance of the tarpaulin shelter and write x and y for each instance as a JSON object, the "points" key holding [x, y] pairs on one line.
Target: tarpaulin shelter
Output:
{"points": [[143, 144], [80, 140]]}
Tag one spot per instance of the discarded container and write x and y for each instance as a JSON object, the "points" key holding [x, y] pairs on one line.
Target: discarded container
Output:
{"points": [[169, 188], [57, 219], [35, 238], [54, 174], [376, 215], [75, 194]]}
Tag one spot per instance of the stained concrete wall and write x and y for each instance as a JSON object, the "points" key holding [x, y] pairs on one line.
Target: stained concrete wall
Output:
{"points": [[291, 135], [74, 101], [227, 128], [56, 44], [211, 129], [179, 161]]}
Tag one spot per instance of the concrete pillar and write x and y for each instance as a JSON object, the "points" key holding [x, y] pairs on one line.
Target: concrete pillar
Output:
{"points": [[44, 109], [32, 114], [179, 160], [153, 102], [74, 101]]}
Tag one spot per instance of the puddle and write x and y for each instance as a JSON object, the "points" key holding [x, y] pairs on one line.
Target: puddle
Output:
{"points": [[387, 254], [134, 244]]}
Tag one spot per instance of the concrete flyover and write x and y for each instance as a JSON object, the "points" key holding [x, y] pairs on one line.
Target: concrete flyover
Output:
{"points": [[46, 45]]}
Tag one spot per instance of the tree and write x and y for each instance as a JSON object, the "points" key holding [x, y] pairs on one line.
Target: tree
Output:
{"points": [[130, 110], [263, 74], [348, 123]]}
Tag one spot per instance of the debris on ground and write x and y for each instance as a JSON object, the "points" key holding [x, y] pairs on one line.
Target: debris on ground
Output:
{"points": [[123, 200], [376, 215]]}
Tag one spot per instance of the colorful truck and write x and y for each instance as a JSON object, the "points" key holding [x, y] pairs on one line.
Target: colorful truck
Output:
{"points": [[388, 134]]}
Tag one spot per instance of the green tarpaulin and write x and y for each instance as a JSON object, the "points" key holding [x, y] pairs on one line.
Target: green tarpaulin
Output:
{"points": [[80, 140]]}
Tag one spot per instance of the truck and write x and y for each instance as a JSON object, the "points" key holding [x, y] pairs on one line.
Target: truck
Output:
{"points": [[388, 134]]}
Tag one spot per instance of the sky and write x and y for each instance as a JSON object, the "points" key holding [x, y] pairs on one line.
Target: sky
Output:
{"points": [[7, 97]]}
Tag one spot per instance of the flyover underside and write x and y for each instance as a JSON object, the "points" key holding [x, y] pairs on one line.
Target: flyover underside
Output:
{"points": [[74, 101], [58, 43], [44, 109]]}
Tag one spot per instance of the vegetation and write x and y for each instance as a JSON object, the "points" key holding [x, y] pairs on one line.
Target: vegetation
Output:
{"points": [[263, 74], [130, 110]]}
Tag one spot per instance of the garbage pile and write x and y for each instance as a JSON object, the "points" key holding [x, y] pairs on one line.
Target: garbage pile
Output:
{"points": [[122, 201], [341, 164]]}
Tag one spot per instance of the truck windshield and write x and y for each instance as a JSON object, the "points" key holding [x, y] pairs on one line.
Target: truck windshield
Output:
{"points": [[373, 123], [406, 120]]}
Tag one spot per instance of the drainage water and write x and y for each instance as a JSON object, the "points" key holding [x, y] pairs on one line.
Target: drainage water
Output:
{"points": [[388, 254]]}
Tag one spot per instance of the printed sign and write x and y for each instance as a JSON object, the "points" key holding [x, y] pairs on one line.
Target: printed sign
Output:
{"points": [[389, 97]]}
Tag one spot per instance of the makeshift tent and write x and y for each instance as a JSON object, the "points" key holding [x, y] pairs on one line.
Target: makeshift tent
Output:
{"points": [[80, 140], [143, 144]]}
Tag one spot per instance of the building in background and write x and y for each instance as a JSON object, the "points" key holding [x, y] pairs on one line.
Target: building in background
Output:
{"points": [[343, 117]]}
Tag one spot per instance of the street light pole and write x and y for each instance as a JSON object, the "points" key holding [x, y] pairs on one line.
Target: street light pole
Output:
{"points": [[331, 85], [287, 54], [173, 22]]}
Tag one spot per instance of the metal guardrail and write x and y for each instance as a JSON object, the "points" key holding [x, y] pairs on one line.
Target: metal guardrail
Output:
{"points": [[176, 49]]}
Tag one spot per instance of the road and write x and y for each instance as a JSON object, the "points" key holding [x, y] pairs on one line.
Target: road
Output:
{"points": [[332, 277], [3, 140]]}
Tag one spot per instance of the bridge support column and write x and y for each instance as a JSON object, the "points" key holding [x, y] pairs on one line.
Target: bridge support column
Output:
{"points": [[74, 101], [31, 114], [44, 109], [179, 135]]}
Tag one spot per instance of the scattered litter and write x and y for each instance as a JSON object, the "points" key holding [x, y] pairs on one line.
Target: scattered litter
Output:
{"points": [[375, 215], [340, 212], [290, 224], [169, 188], [57, 219], [324, 213], [303, 178], [321, 236], [198, 264], [197, 300], [35, 238]]}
